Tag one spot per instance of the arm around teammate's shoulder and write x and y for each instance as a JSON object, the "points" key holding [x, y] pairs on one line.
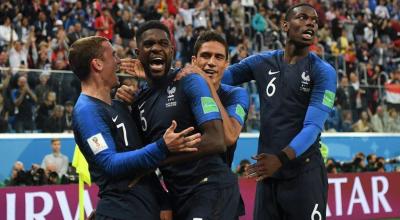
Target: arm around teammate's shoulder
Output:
{"points": [[100, 148]]}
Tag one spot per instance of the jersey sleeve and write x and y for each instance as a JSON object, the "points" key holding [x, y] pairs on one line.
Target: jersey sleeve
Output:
{"points": [[321, 105], [238, 104], [240, 72], [202, 104], [98, 144]]}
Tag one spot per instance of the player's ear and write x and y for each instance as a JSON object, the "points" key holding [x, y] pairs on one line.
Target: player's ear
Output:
{"points": [[194, 60], [97, 64]]}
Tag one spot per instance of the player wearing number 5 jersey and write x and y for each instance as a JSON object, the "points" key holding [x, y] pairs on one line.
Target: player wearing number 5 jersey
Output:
{"points": [[297, 92], [110, 141]]}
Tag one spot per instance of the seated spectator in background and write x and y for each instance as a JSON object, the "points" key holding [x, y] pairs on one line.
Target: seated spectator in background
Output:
{"points": [[55, 161], [24, 101], [37, 175], [45, 108], [363, 124], [393, 124], [357, 165], [380, 165], [371, 163], [241, 53], [56, 122], [18, 175], [331, 166], [69, 107], [53, 178], [43, 88], [3, 115], [347, 121], [242, 167], [379, 121], [76, 34], [18, 55], [7, 32]]}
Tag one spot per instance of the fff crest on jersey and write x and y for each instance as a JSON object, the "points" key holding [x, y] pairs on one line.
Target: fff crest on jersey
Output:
{"points": [[305, 85], [171, 97]]}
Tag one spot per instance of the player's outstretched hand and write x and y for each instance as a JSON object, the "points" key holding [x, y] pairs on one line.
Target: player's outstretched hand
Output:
{"points": [[126, 94], [133, 67], [180, 142], [266, 166], [166, 215], [189, 69]]}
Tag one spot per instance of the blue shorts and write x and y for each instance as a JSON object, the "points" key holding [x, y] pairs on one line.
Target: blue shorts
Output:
{"points": [[301, 197], [208, 204]]}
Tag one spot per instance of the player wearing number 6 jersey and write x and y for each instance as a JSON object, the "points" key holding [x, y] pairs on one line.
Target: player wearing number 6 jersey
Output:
{"points": [[297, 92], [110, 141]]}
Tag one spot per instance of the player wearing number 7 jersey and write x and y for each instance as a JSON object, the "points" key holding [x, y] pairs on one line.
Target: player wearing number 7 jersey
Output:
{"points": [[297, 92], [109, 139]]}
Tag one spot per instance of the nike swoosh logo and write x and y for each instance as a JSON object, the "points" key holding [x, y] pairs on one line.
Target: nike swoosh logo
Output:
{"points": [[114, 119], [272, 73], [140, 106]]}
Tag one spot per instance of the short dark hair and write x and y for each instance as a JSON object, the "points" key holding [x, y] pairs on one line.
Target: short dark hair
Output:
{"points": [[289, 12], [82, 52], [54, 140], [152, 24], [208, 36]]}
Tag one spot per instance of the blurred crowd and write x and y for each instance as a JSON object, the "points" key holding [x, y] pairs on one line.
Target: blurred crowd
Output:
{"points": [[360, 38], [54, 169], [360, 163]]}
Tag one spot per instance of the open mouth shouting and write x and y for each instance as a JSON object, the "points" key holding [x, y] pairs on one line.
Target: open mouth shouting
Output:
{"points": [[157, 64], [308, 34]]}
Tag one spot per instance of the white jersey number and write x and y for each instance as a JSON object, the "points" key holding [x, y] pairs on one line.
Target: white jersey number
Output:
{"points": [[143, 120], [271, 88], [122, 125], [316, 213]]}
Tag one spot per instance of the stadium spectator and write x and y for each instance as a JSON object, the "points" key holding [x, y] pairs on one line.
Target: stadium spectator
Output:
{"points": [[104, 24], [56, 161], [42, 90], [7, 33], [345, 97], [4, 113], [24, 100], [18, 175], [347, 121], [379, 121], [393, 124], [69, 107], [56, 122], [243, 164], [125, 28], [393, 90], [45, 109], [43, 27], [76, 34], [371, 163], [363, 124]]}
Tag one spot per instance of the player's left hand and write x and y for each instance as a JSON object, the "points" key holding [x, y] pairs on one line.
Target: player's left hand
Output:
{"points": [[266, 166], [166, 215], [181, 141]]}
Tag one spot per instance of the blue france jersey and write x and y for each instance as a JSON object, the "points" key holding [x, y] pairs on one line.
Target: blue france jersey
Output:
{"points": [[188, 102], [101, 131], [292, 97], [236, 102]]}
